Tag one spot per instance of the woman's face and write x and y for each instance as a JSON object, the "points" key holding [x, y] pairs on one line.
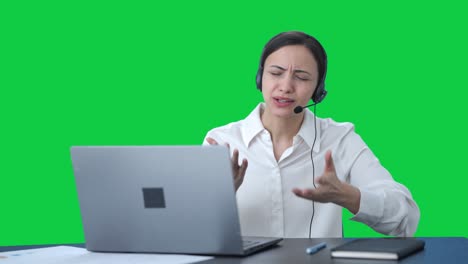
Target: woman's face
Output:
{"points": [[290, 76]]}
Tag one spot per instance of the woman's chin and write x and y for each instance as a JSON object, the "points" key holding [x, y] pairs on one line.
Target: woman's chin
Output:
{"points": [[282, 112]]}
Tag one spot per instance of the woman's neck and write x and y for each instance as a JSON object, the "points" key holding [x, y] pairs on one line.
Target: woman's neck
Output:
{"points": [[282, 128]]}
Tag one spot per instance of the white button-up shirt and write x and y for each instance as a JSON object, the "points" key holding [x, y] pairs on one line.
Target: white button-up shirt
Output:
{"points": [[268, 207]]}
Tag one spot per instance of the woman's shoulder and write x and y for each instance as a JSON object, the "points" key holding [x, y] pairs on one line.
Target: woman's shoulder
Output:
{"points": [[328, 124], [332, 131], [228, 128], [231, 133], [238, 128], [340, 134]]}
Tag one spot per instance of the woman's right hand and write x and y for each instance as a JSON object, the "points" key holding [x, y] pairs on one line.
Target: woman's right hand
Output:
{"points": [[237, 171]]}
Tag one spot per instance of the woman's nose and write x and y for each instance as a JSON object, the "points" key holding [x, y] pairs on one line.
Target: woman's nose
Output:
{"points": [[287, 84]]}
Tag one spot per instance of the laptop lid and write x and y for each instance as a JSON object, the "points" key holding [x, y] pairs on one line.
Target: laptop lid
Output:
{"points": [[167, 199]]}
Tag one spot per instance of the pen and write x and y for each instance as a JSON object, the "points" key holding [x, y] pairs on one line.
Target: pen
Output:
{"points": [[316, 248]]}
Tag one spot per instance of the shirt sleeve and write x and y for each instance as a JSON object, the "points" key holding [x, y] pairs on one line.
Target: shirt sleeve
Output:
{"points": [[205, 143], [386, 206], [214, 134]]}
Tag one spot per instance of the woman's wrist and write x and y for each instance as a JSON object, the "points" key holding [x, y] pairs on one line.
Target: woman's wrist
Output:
{"points": [[350, 198]]}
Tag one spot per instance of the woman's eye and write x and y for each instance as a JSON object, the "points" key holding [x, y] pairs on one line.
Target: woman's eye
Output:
{"points": [[302, 78], [275, 73]]}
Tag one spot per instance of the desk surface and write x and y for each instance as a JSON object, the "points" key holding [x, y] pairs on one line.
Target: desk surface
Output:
{"points": [[437, 250]]}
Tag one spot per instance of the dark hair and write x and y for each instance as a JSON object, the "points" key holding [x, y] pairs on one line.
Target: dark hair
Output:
{"points": [[297, 38]]}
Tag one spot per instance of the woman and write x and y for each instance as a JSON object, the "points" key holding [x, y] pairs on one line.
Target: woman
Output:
{"points": [[297, 171]]}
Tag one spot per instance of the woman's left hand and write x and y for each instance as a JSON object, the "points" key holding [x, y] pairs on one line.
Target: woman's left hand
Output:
{"points": [[331, 189], [237, 170]]}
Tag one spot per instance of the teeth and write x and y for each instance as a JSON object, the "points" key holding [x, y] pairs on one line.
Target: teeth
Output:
{"points": [[284, 101]]}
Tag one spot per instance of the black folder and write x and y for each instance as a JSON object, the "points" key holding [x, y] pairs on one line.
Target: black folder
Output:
{"points": [[378, 248]]}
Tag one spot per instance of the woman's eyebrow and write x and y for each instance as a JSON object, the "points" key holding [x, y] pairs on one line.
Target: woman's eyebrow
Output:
{"points": [[302, 71], [279, 67], [283, 69]]}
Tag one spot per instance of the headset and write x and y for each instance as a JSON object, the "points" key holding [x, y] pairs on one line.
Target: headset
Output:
{"points": [[320, 92]]}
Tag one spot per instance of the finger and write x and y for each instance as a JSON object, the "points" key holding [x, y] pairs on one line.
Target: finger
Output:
{"points": [[329, 164], [243, 168], [239, 177], [211, 141], [235, 157], [297, 192], [309, 194]]}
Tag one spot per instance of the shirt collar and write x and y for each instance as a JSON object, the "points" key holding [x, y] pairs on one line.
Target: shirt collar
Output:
{"points": [[253, 126]]}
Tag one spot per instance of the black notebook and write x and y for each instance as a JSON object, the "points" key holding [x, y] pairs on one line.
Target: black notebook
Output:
{"points": [[378, 248]]}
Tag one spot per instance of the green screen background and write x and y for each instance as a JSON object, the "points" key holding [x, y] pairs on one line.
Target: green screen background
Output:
{"points": [[144, 73]]}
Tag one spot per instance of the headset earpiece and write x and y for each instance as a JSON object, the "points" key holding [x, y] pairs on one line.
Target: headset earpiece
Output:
{"points": [[319, 93], [258, 78]]}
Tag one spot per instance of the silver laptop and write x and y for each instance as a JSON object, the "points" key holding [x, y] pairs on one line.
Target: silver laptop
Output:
{"points": [[162, 199]]}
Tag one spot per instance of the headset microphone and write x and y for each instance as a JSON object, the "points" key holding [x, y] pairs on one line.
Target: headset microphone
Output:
{"points": [[299, 108]]}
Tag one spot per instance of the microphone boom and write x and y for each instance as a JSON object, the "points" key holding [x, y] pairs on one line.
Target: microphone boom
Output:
{"points": [[299, 108]]}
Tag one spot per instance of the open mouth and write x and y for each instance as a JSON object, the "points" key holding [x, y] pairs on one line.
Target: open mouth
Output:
{"points": [[283, 100]]}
